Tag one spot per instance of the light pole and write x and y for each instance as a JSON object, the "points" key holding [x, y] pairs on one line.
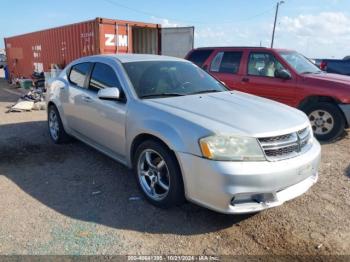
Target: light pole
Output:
{"points": [[274, 24]]}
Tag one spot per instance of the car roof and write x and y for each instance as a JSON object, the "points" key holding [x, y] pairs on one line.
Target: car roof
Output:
{"points": [[239, 47], [126, 58]]}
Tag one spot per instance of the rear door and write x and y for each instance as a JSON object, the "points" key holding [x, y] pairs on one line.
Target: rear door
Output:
{"points": [[260, 79], [177, 41], [73, 97], [225, 66]]}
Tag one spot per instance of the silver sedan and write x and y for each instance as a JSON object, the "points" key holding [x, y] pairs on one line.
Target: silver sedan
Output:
{"points": [[184, 134]]}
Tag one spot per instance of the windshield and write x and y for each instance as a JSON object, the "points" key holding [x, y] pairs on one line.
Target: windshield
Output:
{"points": [[300, 63], [170, 78]]}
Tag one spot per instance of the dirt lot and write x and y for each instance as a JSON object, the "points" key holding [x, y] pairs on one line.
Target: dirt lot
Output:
{"points": [[70, 199]]}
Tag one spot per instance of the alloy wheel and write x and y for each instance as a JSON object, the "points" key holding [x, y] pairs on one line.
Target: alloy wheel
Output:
{"points": [[54, 125], [153, 174]]}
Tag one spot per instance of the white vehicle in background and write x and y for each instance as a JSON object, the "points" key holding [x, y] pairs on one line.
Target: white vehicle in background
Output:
{"points": [[3, 61]]}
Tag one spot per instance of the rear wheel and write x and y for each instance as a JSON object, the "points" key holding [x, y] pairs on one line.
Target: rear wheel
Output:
{"points": [[56, 129], [326, 120], [158, 174]]}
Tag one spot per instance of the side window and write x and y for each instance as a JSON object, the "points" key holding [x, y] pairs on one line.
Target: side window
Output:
{"points": [[263, 64], [215, 64], [198, 57], [78, 74], [103, 76], [226, 62]]}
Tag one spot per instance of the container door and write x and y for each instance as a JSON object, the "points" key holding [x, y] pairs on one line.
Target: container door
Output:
{"points": [[177, 41], [114, 38]]}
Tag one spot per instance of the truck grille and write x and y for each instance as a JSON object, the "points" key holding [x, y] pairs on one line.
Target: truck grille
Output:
{"points": [[286, 146]]}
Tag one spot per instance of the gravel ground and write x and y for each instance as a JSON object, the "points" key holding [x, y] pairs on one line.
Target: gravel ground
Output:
{"points": [[71, 199]]}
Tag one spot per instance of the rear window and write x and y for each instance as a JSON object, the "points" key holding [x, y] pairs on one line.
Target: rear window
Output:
{"points": [[78, 74], [226, 62], [198, 57]]}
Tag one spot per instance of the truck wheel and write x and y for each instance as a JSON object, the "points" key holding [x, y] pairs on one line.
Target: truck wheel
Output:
{"points": [[56, 129], [158, 174], [326, 120]]}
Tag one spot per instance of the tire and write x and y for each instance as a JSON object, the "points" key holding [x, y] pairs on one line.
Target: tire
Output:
{"points": [[167, 175], [56, 130], [326, 120]]}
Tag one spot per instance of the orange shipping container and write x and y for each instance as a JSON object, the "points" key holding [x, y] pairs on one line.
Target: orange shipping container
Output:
{"points": [[38, 51]]}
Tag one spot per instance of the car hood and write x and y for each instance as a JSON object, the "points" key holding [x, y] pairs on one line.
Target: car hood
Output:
{"points": [[234, 112], [334, 78]]}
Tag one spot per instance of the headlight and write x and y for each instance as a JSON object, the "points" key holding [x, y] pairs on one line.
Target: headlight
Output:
{"points": [[231, 148]]}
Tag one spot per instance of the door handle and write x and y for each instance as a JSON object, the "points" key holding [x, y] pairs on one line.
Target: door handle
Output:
{"points": [[87, 99], [245, 79]]}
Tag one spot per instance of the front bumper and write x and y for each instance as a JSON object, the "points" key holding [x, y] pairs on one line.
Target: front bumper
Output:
{"points": [[346, 110], [245, 187]]}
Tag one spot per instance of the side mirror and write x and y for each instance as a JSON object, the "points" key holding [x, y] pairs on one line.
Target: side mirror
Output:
{"points": [[111, 93], [283, 74]]}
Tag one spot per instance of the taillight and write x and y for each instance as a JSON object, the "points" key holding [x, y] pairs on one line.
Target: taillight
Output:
{"points": [[323, 65]]}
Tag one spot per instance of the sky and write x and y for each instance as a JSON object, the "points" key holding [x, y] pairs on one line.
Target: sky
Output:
{"points": [[316, 28]]}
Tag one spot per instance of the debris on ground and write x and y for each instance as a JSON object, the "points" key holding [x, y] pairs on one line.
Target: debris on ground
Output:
{"points": [[319, 246], [96, 193], [33, 100], [134, 198], [22, 106]]}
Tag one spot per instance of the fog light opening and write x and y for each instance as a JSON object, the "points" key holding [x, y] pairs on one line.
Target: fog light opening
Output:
{"points": [[253, 198]]}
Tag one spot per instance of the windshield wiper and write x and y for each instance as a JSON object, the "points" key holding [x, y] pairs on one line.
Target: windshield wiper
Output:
{"points": [[309, 72], [161, 95], [206, 91]]}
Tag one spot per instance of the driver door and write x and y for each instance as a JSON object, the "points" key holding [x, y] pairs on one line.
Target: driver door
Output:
{"points": [[261, 81]]}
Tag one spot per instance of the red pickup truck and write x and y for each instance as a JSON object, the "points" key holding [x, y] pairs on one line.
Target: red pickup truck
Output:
{"points": [[285, 76]]}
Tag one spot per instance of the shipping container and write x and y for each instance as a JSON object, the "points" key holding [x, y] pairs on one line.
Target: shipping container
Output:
{"points": [[40, 51]]}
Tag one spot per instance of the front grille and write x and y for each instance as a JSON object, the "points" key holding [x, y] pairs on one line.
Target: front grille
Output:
{"points": [[286, 146], [275, 138]]}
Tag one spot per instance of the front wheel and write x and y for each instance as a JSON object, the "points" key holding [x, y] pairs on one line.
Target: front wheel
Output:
{"points": [[326, 120], [158, 174]]}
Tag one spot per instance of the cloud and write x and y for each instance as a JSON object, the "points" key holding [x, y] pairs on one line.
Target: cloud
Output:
{"points": [[323, 24], [326, 34], [321, 35], [231, 35], [164, 22]]}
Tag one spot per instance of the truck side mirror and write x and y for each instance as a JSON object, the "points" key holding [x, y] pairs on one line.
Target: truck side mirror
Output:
{"points": [[283, 74]]}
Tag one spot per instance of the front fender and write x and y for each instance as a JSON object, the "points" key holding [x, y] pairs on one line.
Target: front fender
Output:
{"points": [[161, 130], [166, 133], [177, 137]]}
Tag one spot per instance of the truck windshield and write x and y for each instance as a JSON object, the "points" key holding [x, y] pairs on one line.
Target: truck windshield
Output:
{"points": [[155, 79], [300, 63]]}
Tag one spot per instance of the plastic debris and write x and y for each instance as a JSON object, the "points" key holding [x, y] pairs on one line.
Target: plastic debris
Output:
{"points": [[34, 99], [22, 106], [134, 198], [96, 193]]}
